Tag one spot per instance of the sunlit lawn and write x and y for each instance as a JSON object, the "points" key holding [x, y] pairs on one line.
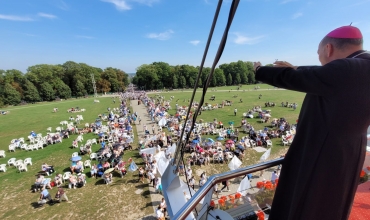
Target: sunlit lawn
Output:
{"points": [[93, 201], [118, 200]]}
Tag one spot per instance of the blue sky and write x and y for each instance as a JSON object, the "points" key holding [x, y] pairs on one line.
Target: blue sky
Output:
{"points": [[127, 33]]}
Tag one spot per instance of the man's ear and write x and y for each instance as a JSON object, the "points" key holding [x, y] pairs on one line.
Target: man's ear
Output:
{"points": [[329, 50]]}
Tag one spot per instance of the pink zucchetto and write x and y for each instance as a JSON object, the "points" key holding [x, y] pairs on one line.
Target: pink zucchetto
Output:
{"points": [[348, 32]]}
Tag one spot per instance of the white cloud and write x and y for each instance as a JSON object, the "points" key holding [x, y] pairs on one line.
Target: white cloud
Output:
{"points": [[146, 2], [121, 5], [297, 15], [286, 1], [161, 36], [15, 18], [194, 42], [62, 5], [50, 16], [241, 39], [84, 37]]}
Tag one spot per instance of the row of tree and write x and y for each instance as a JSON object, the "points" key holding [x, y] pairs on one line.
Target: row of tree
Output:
{"points": [[159, 75], [47, 82]]}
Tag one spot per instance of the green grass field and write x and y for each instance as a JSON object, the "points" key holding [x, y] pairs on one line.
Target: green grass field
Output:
{"points": [[93, 201], [249, 98], [119, 199]]}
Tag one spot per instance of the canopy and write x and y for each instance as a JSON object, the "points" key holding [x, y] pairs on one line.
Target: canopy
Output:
{"points": [[148, 151], [219, 138], [210, 140], [162, 162], [77, 158], [265, 155], [244, 185], [234, 163], [109, 170], [162, 122]]}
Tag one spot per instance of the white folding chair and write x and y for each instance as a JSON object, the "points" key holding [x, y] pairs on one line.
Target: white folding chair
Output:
{"points": [[28, 161], [22, 167], [29, 147], [18, 162], [2, 153], [3, 167], [66, 176], [11, 161], [87, 163], [11, 147], [23, 146], [94, 156], [75, 154]]}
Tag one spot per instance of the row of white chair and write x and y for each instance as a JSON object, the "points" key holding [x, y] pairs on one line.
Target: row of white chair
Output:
{"points": [[20, 164]]}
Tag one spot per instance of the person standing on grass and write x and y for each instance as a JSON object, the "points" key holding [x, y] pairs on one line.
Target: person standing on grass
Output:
{"points": [[320, 173], [235, 111], [61, 195]]}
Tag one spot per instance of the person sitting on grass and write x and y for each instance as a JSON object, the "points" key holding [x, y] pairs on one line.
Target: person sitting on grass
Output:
{"points": [[108, 178], [94, 171], [46, 168], [61, 195], [38, 182], [58, 179], [46, 183], [76, 167], [44, 197], [106, 165], [81, 180]]}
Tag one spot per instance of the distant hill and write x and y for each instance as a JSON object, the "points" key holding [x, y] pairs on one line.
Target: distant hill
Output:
{"points": [[131, 74]]}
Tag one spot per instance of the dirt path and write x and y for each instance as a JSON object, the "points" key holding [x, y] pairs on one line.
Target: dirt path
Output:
{"points": [[141, 111]]}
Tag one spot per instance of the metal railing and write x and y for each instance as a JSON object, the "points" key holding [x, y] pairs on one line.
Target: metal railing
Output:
{"points": [[217, 178]]}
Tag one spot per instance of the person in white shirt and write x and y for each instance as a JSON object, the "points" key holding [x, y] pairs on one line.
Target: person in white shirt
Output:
{"points": [[151, 177], [192, 182], [215, 188], [163, 206], [160, 215], [274, 176], [235, 111]]}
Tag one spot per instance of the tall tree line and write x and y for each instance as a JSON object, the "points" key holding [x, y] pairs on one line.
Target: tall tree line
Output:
{"points": [[45, 82], [160, 75]]}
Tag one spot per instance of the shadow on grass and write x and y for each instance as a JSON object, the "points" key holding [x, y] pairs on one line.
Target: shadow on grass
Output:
{"points": [[149, 218], [132, 181], [141, 186], [100, 182], [155, 203], [36, 205], [146, 193]]}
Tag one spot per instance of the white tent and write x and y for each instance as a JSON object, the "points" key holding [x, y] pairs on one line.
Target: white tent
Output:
{"points": [[265, 155], [162, 161], [234, 163], [162, 122], [172, 149], [244, 185], [148, 150]]}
